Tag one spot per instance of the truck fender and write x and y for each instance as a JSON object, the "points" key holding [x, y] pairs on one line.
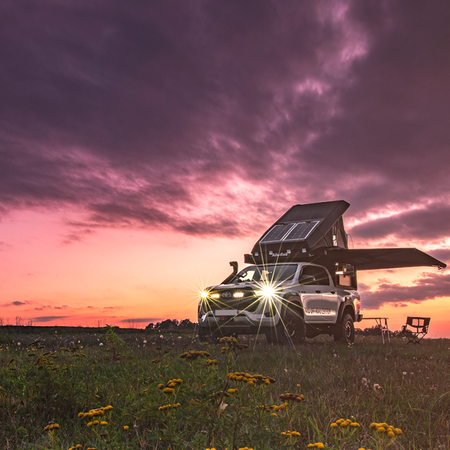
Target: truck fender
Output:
{"points": [[292, 305], [346, 306]]}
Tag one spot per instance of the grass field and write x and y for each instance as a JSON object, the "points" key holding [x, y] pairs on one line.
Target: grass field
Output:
{"points": [[102, 389]]}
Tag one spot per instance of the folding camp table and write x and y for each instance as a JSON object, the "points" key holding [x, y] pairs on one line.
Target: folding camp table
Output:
{"points": [[382, 324]]}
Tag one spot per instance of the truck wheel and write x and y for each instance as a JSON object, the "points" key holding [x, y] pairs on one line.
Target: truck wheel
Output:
{"points": [[345, 331], [202, 335], [291, 330], [294, 330]]}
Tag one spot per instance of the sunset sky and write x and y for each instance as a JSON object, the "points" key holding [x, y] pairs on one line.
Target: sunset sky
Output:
{"points": [[145, 144]]}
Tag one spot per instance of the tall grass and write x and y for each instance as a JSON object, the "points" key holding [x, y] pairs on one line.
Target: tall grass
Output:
{"points": [[50, 379]]}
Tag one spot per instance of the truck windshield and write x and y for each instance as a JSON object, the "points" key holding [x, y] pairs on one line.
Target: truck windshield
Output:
{"points": [[278, 273]]}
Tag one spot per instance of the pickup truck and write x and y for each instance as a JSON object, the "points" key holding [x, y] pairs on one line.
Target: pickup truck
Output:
{"points": [[287, 302], [301, 280]]}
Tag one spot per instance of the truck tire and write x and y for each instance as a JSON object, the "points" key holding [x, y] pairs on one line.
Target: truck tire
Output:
{"points": [[345, 331], [202, 334], [290, 331]]}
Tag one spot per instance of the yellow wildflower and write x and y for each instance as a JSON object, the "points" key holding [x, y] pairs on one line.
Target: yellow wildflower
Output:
{"points": [[103, 423], [126, 427]]}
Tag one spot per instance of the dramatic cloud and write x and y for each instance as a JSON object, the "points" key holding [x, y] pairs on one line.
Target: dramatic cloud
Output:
{"points": [[432, 285], [422, 223], [16, 303], [48, 318], [211, 118], [140, 320], [193, 116]]}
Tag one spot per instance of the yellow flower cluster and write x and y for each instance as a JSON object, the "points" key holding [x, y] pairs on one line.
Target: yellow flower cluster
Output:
{"points": [[51, 427], [174, 383], [82, 355], [232, 343], [155, 361], [269, 408], [344, 423], [95, 412], [292, 397], [245, 448], [250, 379], [171, 384], [212, 362], [193, 354], [211, 448], [41, 361], [290, 433], [162, 408], [76, 446], [385, 428], [232, 391], [317, 444]]}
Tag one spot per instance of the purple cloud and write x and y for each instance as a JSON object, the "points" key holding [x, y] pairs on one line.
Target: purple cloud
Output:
{"points": [[429, 286], [48, 318], [129, 115], [140, 320]]}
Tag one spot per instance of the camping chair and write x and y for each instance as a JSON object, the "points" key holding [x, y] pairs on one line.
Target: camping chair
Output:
{"points": [[419, 327]]}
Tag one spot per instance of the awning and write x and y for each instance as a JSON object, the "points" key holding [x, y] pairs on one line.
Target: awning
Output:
{"points": [[381, 258]]}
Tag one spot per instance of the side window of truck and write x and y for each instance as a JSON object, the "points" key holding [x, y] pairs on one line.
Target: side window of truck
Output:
{"points": [[314, 275], [321, 275]]}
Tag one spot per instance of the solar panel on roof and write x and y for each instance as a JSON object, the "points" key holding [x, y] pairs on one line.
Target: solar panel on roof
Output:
{"points": [[277, 233], [290, 232], [301, 230]]}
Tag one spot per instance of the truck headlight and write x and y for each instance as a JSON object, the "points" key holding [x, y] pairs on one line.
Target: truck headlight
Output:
{"points": [[267, 292]]}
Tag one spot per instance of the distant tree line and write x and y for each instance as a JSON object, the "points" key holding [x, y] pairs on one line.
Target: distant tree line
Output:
{"points": [[172, 324], [376, 331]]}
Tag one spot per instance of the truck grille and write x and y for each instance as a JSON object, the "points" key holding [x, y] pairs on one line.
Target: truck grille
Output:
{"points": [[248, 302]]}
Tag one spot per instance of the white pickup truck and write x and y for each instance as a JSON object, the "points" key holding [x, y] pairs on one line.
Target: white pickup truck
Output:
{"points": [[301, 281], [284, 301]]}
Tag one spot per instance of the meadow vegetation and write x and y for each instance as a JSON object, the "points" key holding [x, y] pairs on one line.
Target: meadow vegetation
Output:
{"points": [[153, 389]]}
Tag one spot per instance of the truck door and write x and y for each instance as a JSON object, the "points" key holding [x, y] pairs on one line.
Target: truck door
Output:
{"points": [[311, 294], [329, 295]]}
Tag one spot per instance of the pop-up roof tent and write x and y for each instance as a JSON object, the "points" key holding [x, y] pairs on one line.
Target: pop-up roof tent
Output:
{"points": [[315, 232]]}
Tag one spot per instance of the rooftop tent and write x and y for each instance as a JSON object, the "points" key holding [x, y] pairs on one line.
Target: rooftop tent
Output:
{"points": [[315, 232], [301, 229]]}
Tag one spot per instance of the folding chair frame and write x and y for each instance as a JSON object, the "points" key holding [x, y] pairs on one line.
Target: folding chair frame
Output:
{"points": [[419, 329]]}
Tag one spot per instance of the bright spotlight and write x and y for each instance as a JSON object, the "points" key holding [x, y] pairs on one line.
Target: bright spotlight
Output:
{"points": [[267, 292], [204, 295]]}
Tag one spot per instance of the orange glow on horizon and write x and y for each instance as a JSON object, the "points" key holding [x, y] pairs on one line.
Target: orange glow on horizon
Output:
{"points": [[130, 277]]}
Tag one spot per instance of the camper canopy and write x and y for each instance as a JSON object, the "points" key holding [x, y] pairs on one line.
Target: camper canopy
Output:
{"points": [[315, 232]]}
